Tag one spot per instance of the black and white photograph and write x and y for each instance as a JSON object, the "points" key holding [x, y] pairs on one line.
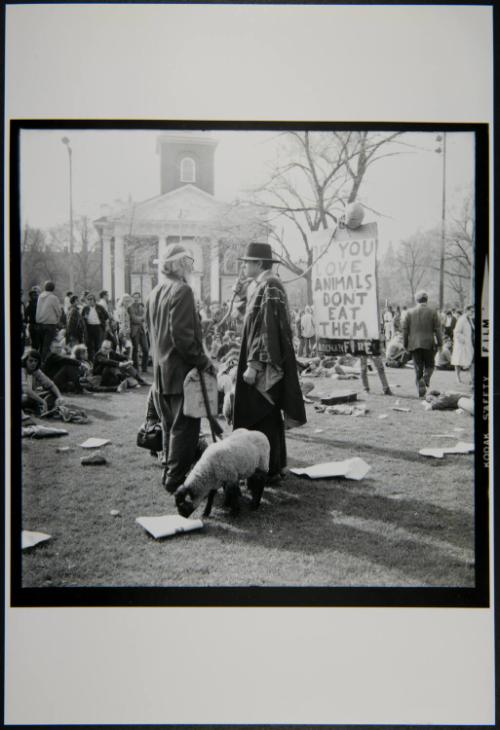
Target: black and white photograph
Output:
{"points": [[248, 357], [249, 276]]}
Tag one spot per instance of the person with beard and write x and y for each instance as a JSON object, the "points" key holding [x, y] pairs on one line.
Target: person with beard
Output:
{"points": [[267, 397]]}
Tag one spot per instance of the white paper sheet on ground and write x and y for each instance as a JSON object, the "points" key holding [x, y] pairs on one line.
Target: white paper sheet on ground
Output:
{"points": [[460, 448], [94, 443], [354, 468], [383, 415], [30, 539], [166, 525]]}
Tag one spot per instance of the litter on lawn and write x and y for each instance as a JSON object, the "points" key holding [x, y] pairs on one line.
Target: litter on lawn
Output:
{"points": [[460, 448], [94, 443], [42, 432], [354, 468], [30, 539], [93, 460], [336, 398], [168, 525], [344, 410], [401, 409], [384, 415]]}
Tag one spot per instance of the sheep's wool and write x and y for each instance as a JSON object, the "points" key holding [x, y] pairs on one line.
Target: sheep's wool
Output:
{"points": [[236, 457]]}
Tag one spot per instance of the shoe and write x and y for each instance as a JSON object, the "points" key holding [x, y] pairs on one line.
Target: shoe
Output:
{"points": [[388, 391], [274, 480], [421, 388]]}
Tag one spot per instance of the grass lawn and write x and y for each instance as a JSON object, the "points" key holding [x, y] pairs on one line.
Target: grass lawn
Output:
{"points": [[409, 522]]}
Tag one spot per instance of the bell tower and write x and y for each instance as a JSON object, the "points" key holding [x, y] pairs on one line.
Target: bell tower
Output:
{"points": [[186, 159]]}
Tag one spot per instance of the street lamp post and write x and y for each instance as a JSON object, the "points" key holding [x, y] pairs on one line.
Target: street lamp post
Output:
{"points": [[443, 223], [65, 141]]}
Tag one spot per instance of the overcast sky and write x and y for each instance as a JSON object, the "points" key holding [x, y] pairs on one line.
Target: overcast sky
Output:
{"points": [[109, 165]]}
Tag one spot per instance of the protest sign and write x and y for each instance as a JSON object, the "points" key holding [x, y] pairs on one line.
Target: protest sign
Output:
{"points": [[345, 290]]}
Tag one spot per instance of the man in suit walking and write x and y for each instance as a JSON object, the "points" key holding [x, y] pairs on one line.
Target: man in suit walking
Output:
{"points": [[421, 334], [174, 329]]}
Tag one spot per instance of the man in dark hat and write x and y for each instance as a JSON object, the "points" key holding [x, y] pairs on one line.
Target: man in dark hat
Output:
{"points": [[174, 329], [267, 395]]}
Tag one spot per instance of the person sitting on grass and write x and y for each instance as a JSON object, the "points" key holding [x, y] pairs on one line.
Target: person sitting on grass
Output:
{"points": [[63, 370], [115, 369], [39, 393], [443, 356], [396, 355]]}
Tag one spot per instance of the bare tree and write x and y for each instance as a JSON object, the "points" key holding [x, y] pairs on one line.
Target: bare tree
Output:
{"points": [[315, 176], [459, 255], [416, 258]]}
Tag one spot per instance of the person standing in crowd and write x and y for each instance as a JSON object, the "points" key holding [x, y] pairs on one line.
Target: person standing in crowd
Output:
{"points": [[33, 329], [95, 318], [75, 326], [267, 382], [421, 333], [379, 365], [396, 322], [123, 321], [48, 317], [388, 323], [138, 333], [307, 329], [176, 342], [66, 303], [110, 326], [463, 343], [449, 322]]}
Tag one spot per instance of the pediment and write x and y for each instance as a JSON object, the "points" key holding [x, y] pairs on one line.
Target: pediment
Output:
{"points": [[188, 203]]}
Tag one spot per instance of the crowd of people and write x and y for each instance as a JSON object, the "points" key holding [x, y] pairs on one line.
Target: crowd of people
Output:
{"points": [[80, 345], [254, 344]]}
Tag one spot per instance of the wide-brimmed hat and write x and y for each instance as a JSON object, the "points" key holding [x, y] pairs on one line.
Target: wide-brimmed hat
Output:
{"points": [[259, 252]]}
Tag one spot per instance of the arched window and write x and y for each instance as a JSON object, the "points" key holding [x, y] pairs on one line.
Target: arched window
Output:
{"points": [[188, 170]]}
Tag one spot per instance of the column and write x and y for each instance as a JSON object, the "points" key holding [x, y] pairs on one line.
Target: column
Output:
{"points": [[214, 272], [119, 267], [107, 274], [162, 244]]}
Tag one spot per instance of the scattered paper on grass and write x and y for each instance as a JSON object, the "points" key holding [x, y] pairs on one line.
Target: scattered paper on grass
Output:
{"points": [[62, 449], [383, 415], [460, 448], [40, 432], [318, 430], [94, 443], [114, 512], [436, 453], [167, 525], [399, 408], [30, 539], [354, 468], [307, 400]]}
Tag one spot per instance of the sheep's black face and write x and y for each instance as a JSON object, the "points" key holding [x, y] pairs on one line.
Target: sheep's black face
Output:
{"points": [[184, 501]]}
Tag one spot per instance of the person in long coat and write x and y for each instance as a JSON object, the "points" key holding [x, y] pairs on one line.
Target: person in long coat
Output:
{"points": [[463, 343], [267, 397], [174, 329]]}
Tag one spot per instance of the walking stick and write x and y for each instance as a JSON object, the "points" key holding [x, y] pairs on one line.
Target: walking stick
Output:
{"points": [[216, 430]]}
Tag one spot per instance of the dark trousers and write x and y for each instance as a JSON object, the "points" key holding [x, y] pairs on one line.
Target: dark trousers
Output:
{"points": [[34, 332], [67, 379], [423, 362], [180, 437], [139, 340], [47, 334], [95, 335], [273, 427]]}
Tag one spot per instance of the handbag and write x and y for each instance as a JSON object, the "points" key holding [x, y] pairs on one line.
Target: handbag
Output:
{"points": [[150, 437]]}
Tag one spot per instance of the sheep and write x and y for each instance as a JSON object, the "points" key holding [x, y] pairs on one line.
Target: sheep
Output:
{"points": [[242, 455]]}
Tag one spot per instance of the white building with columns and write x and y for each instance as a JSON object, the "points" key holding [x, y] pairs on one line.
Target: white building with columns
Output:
{"points": [[134, 237]]}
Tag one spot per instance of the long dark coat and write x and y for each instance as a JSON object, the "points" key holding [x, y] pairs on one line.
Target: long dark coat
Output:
{"points": [[267, 338], [174, 329]]}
